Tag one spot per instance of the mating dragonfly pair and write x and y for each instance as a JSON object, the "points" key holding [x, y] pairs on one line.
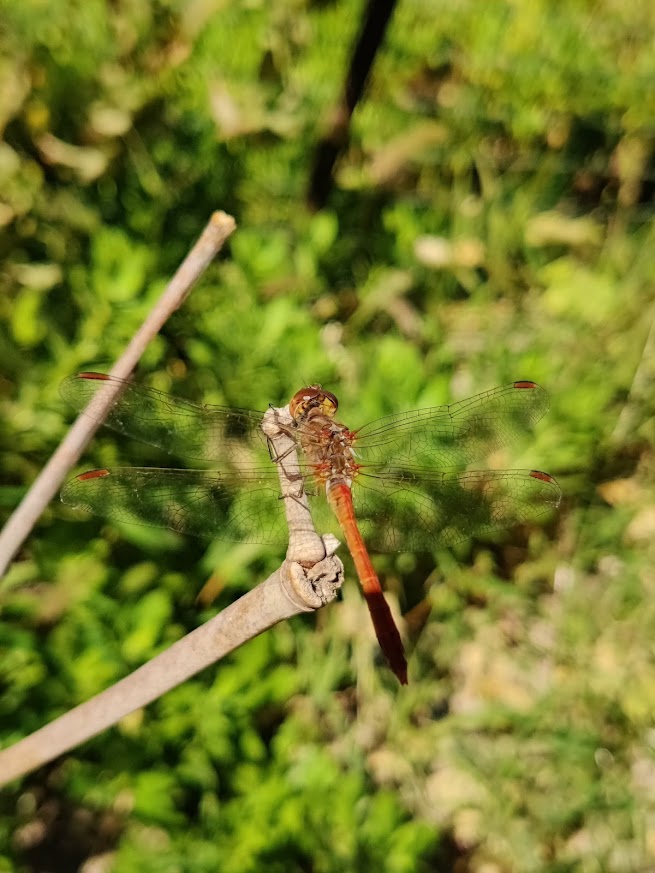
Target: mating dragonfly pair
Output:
{"points": [[396, 483]]}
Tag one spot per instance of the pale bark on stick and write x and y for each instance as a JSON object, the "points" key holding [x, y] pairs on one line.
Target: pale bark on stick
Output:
{"points": [[305, 545], [288, 592], [309, 578], [46, 485]]}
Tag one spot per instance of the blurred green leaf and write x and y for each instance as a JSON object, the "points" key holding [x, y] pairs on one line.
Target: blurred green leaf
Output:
{"points": [[491, 220]]}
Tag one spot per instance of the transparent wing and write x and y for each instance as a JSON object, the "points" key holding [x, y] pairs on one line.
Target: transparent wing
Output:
{"points": [[417, 511], [405, 512], [211, 433], [246, 508], [455, 435], [402, 501]]}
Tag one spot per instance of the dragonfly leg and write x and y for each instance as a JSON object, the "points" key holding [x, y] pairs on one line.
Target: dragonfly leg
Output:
{"points": [[283, 429], [297, 497], [277, 458], [273, 454], [295, 477]]}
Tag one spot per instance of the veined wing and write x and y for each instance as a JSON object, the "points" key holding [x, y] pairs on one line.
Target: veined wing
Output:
{"points": [[455, 435], [420, 511], [407, 511], [245, 508], [180, 427]]}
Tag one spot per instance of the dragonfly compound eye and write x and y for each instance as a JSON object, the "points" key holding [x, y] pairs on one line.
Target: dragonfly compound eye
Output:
{"points": [[313, 397]]}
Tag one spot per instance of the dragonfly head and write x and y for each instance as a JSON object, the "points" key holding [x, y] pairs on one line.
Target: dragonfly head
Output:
{"points": [[313, 397]]}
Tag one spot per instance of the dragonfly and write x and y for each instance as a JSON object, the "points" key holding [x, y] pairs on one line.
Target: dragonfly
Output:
{"points": [[399, 483]]}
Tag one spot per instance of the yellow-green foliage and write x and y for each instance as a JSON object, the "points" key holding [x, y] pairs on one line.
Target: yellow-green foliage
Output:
{"points": [[492, 220]]}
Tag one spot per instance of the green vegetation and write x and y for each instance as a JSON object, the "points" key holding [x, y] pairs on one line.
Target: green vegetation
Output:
{"points": [[492, 220]]}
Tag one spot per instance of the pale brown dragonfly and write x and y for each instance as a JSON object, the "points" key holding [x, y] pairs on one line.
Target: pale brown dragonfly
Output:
{"points": [[397, 483]]}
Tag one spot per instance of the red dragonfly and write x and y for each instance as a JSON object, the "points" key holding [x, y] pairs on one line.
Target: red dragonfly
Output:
{"points": [[393, 483]]}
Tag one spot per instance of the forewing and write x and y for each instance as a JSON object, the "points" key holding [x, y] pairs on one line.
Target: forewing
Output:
{"points": [[201, 503], [416, 512], [180, 427], [455, 435]]}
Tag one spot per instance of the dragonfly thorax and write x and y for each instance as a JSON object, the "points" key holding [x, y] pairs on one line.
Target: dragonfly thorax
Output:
{"points": [[327, 446]]}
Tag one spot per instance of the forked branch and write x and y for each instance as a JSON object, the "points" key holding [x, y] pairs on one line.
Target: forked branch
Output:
{"points": [[309, 578]]}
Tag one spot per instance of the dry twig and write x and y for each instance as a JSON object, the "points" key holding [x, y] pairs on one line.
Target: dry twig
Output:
{"points": [[309, 578], [46, 485]]}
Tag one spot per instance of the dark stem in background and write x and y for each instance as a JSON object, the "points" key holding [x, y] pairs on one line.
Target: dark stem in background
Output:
{"points": [[376, 19]]}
